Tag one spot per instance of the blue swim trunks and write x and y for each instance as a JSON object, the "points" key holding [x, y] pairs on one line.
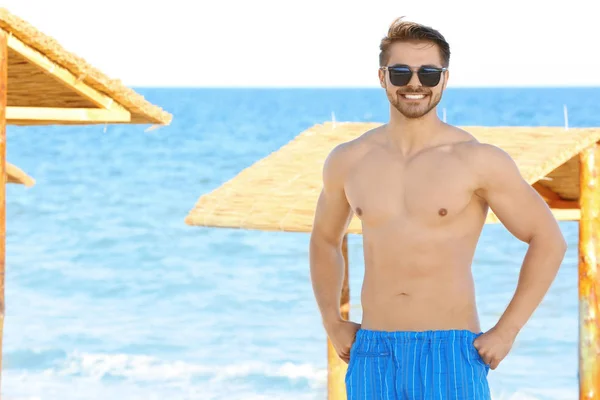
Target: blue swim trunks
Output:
{"points": [[431, 365]]}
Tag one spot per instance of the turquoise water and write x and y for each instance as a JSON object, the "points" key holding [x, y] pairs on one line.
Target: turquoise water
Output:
{"points": [[111, 296]]}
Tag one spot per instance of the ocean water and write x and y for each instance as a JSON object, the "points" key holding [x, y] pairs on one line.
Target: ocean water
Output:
{"points": [[109, 295]]}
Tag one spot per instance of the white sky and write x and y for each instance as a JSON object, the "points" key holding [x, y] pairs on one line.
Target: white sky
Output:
{"points": [[320, 42]]}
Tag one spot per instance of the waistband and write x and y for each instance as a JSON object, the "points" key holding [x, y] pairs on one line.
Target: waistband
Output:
{"points": [[409, 336]]}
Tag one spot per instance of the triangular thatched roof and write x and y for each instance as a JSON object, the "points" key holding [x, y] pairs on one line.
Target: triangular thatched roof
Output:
{"points": [[47, 84], [280, 191]]}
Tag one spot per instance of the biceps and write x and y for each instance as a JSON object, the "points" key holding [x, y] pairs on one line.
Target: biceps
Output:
{"points": [[520, 209], [332, 216]]}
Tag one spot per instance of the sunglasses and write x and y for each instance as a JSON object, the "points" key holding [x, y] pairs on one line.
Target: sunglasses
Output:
{"points": [[400, 75]]}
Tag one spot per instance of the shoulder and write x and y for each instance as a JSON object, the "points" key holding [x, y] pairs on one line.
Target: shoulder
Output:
{"points": [[489, 164], [478, 154], [457, 142], [488, 159], [345, 155]]}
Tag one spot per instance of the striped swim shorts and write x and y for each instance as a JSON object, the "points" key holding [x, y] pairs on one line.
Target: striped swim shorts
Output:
{"points": [[432, 365]]}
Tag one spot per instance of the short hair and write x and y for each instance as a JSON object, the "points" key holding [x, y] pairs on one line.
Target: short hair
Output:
{"points": [[403, 31]]}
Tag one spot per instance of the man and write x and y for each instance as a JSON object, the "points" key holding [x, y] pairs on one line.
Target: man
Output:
{"points": [[422, 189]]}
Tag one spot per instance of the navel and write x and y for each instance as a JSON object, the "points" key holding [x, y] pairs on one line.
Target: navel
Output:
{"points": [[442, 211], [358, 211]]}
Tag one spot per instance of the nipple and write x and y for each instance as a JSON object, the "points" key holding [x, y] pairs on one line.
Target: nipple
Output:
{"points": [[442, 211], [358, 211]]}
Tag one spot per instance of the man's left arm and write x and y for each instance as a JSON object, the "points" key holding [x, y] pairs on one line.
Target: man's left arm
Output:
{"points": [[527, 216]]}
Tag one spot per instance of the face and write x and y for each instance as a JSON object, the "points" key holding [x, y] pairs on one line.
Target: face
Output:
{"points": [[414, 99]]}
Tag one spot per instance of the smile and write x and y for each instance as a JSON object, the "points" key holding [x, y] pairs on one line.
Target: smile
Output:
{"points": [[414, 96]]}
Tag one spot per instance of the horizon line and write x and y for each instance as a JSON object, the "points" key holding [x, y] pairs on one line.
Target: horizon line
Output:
{"points": [[350, 87]]}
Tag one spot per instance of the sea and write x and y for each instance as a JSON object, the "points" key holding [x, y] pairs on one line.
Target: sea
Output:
{"points": [[110, 295]]}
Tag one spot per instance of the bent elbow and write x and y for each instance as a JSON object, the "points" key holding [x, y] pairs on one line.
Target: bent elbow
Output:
{"points": [[560, 243], [551, 241], [563, 245]]}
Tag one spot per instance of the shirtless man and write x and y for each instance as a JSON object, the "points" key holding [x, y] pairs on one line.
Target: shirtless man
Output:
{"points": [[422, 189]]}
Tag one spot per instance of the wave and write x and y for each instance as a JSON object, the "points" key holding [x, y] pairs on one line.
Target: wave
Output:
{"points": [[147, 368], [136, 376], [126, 376], [141, 367]]}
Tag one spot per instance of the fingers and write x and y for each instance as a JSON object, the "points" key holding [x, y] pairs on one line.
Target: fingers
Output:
{"points": [[482, 354], [493, 362], [487, 358], [485, 354], [490, 360], [491, 350]]}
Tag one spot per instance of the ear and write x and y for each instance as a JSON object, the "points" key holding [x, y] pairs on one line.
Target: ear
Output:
{"points": [[382, 78]]}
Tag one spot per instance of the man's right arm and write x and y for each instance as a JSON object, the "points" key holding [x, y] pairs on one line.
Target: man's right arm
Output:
{"points": [[332, 216]]}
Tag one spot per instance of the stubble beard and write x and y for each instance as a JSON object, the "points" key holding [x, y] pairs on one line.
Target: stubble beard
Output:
{"points": [[414, 110]]}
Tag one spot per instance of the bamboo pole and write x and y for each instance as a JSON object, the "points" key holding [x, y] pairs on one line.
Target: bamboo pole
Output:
{"points": [[3, 99], [589, 276], [336, 387]]}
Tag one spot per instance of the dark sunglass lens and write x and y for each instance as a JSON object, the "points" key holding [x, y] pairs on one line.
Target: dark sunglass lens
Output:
{"points": [[400, 76], [430, 76]]}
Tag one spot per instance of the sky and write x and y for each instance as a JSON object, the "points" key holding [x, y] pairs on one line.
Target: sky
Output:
{"points": [[319, 43]]}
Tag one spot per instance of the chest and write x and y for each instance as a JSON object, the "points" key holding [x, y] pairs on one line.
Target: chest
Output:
{"points": [[432, 189]]}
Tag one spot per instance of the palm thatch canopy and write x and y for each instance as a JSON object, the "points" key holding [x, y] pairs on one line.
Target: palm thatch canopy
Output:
{"points": [[49, 85], [16, 175], [280, 191]]}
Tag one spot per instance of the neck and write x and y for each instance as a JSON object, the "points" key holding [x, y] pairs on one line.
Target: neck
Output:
{"points": [[410, 135]]}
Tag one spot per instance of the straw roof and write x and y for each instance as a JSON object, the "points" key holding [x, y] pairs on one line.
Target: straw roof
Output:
{"points": [[16, 175], [62, 86], [280, 191]]}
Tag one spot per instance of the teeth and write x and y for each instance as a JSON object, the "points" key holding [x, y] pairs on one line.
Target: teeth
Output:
{"points": [[414, 96]]}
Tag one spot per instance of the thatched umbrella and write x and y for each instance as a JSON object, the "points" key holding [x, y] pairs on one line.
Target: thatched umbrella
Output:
{"points": [[280, 192], [41, 84]]}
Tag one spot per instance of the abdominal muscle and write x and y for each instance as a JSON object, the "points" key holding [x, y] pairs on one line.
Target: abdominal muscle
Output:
{"points": [[418, 284]]}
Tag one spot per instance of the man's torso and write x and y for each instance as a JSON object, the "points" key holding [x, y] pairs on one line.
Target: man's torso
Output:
{"points": [[421, 220]]}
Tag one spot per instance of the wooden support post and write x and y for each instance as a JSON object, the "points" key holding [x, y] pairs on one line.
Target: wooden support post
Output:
{"points": [[3, 99], [336, 371], [589, 275]]}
